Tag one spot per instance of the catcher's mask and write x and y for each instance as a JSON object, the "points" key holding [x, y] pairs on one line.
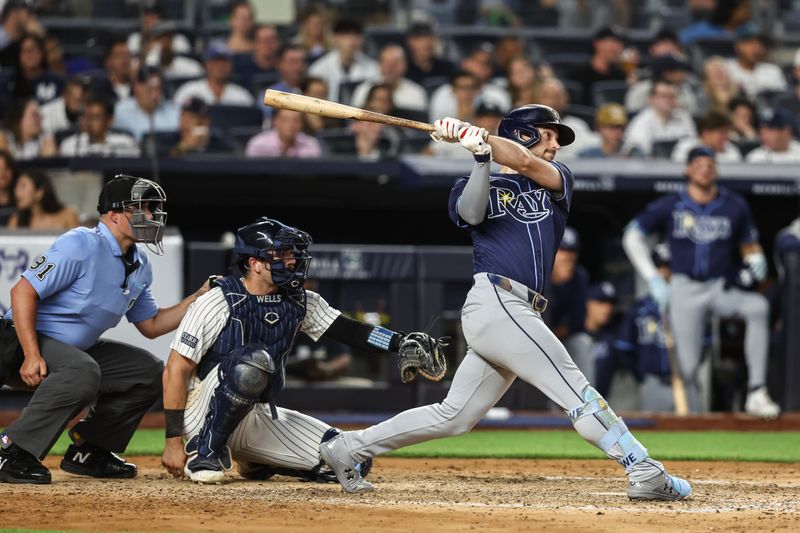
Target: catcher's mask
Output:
{"points": [[269, 240], [520, 125], [144, 199]]}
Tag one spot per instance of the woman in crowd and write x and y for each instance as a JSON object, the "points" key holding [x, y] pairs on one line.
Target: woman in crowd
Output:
{"points": [[744, 119], [718, 87], [38, 207], [23, 136], [31, 77], [313, 33], [8, 180], [240, 39]]}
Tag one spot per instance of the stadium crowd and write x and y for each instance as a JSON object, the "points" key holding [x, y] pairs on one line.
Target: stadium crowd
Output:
{"points": [[705, 74]]}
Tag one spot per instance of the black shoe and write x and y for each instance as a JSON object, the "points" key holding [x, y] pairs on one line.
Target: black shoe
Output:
{"points": [[18, 466], [91, 460]]}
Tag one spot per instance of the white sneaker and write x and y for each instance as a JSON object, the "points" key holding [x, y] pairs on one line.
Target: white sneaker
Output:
{"points": [[761, 405]]}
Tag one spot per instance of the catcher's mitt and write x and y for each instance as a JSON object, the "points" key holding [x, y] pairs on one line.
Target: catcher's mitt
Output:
{"points": [[421, 353]]}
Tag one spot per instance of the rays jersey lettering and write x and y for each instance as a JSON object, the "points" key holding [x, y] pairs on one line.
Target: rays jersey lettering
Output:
{"points": [[523, 226], [650, 331], [700, 229], [527, 207], [704, 239]]}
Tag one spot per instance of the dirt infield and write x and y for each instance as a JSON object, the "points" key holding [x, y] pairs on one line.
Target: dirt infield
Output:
{"points": [[416, 495]]}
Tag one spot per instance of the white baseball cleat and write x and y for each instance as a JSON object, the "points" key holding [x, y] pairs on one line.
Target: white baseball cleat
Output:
{"points": [[662, 486], [336, 455], [759, 404]]}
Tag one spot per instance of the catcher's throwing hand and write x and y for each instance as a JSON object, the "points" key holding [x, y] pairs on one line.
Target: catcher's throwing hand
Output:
{"points": [[446, 129], [421, 353], [174, 456]]}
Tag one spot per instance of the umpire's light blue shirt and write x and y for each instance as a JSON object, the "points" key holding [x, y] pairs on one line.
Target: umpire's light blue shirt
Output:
{"points": [[79, 283]]}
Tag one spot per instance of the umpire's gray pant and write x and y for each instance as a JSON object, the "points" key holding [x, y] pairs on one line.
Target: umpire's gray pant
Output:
{"points": [[122, 380]]}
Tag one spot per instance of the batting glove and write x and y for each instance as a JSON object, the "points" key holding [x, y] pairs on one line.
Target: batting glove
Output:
{"points": [[473, 139], [659, 291], [757, 264], [446, 129]]}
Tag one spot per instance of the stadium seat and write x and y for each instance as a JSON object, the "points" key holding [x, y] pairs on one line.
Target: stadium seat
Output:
{"points": [[242, 134], [414, 141], [574, 89], [337, 141], [160, 141], [583, 112], [411, 114], [172, 85], [564, 63], [434, 82], [562, 41], [604, 92], [262, 82], [346, 90], [663, 149], [225, 117]]}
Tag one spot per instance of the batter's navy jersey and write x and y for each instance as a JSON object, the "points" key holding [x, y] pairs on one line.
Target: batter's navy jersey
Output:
{"points": [[641, 336], [79, 281], [703, 239], [522, 229]]}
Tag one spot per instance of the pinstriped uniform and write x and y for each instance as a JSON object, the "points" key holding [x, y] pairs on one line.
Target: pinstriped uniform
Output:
{"points": [[291, 441]]}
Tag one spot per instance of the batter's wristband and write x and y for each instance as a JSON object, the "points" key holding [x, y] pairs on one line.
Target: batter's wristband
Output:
{"points": [[482, 158], [174, 422]]}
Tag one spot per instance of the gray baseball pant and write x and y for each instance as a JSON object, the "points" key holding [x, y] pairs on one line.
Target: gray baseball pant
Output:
{"points": [[124, 382], [690, 304]]}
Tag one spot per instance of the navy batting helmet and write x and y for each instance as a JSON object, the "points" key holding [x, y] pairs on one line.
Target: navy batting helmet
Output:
{"points": [[520, 125], [265, 239]]}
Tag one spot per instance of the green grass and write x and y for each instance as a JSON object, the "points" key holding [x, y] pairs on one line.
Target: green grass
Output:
{"points": [[567, 444]]}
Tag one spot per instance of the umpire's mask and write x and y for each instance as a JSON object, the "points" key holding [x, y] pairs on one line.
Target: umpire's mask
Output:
{"points": [[144, 199]]}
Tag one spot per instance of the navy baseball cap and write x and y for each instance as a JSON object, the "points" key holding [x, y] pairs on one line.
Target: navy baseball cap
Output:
{"points": [[602, 292], [571, 241], [776, 118], [217, 52], [700, 151], [196, 105], [420, 28]]}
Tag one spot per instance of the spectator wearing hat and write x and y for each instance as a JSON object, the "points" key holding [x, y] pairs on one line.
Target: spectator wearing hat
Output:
{"points": [[714, 128], [346, 62], [604, 64], [748, 69], [98, 140], [195, 134], [64, 112], [285, 139], [152, 15], [215, 87], [776, 128], [610, 121], [661, 120], [673, 69], [158, 53], [263, 59], [566, 309], [147, 109], [791, 100], [406, 94], [642, 344], [592, 347], [486, 115], [423, 61]]}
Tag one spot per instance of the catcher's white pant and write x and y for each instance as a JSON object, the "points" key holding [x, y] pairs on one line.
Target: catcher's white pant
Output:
{"points": [[291, 441], [506, 339]]}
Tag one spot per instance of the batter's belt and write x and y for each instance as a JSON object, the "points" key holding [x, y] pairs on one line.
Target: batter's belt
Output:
{"points": [[537, 301]]}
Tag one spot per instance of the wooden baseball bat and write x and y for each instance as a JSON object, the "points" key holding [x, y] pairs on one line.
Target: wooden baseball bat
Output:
{"points": [[678, 388], [326, 108]]}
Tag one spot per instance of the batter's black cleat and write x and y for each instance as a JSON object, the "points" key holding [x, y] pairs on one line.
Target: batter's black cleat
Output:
{"points": [[91, 460], [18, 466]]}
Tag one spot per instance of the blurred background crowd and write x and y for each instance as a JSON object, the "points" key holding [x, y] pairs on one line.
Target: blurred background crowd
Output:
{"points": [[163, 79]]}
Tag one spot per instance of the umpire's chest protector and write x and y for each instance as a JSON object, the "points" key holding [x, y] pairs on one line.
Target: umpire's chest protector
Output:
{"points": [[271, 320]]}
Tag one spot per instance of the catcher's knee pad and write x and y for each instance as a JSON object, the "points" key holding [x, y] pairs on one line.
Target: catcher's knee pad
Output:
{"points": [[243, 378], [617, 432]]}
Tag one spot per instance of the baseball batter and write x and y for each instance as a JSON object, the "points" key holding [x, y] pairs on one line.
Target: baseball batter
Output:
{"points": [[226, 367], [516, 219], [706, 226]]}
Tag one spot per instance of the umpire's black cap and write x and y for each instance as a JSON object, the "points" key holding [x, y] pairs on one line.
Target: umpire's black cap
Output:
{"points": [[115, 193]]}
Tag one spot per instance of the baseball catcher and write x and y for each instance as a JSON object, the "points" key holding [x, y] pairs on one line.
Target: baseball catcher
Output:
{"points": [[226, 365]]}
